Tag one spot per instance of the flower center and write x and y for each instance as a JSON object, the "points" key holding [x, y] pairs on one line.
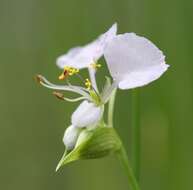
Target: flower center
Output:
{"points": [[70, 71]]}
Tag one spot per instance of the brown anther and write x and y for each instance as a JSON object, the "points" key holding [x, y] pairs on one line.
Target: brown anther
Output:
{"points": [[38, 78], [58, 95]]}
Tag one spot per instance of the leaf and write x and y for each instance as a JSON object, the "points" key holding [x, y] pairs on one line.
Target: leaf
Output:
{"points": [[96, 144]]}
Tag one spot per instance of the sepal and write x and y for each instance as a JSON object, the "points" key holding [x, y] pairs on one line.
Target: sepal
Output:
{"points": [[97, 143]]}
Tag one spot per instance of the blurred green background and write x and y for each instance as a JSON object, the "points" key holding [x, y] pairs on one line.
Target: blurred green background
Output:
{"points": [[32, 34]]}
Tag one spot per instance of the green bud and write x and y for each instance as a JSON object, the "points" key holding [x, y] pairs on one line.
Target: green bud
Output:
{"points": [[97, 143]]}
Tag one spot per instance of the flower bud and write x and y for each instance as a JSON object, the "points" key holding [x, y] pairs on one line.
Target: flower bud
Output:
{"points": [[87, 114], [93, 144], [70, 137]]}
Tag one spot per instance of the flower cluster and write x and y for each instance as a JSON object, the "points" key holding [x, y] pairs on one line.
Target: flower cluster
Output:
{"points": [[133, 61]]}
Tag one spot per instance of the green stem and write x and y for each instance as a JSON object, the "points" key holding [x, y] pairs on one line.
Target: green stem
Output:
{"points": [[135, 127], [111, 108], [122, 155]]}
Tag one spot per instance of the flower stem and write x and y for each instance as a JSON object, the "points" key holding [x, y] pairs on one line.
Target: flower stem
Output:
{"points": [[111, 108], [135, 127], [122, 155]]}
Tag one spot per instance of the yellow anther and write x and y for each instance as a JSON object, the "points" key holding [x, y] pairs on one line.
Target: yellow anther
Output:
{"points": [[73, 71], [68, 71], [95, 65], [88, 84], [62, 77]]}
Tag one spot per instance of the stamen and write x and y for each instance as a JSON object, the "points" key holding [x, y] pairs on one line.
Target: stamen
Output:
{"points": [[88, 84], [95, 96], [68, 71], [58, 95], [38, 78], [72, 70], [95, 65], [71, 88]]}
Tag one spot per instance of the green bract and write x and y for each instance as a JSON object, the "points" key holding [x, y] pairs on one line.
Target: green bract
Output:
{"points": [[92, 144]]}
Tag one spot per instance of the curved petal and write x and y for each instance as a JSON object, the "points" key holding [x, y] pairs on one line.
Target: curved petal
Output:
{"points": [[70, 137], [134, 61], [86, 115], [82, 57]]}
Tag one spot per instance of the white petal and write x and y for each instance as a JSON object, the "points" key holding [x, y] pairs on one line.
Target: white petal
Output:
{"points": [[81, 57], [134, 61], [86, 115], [65, 59], [70, 137]]}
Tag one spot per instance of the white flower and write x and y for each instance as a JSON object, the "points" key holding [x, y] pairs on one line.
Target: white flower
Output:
{"points": [[70, 137], [87, 115], [82, 57], [134, 61]]}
